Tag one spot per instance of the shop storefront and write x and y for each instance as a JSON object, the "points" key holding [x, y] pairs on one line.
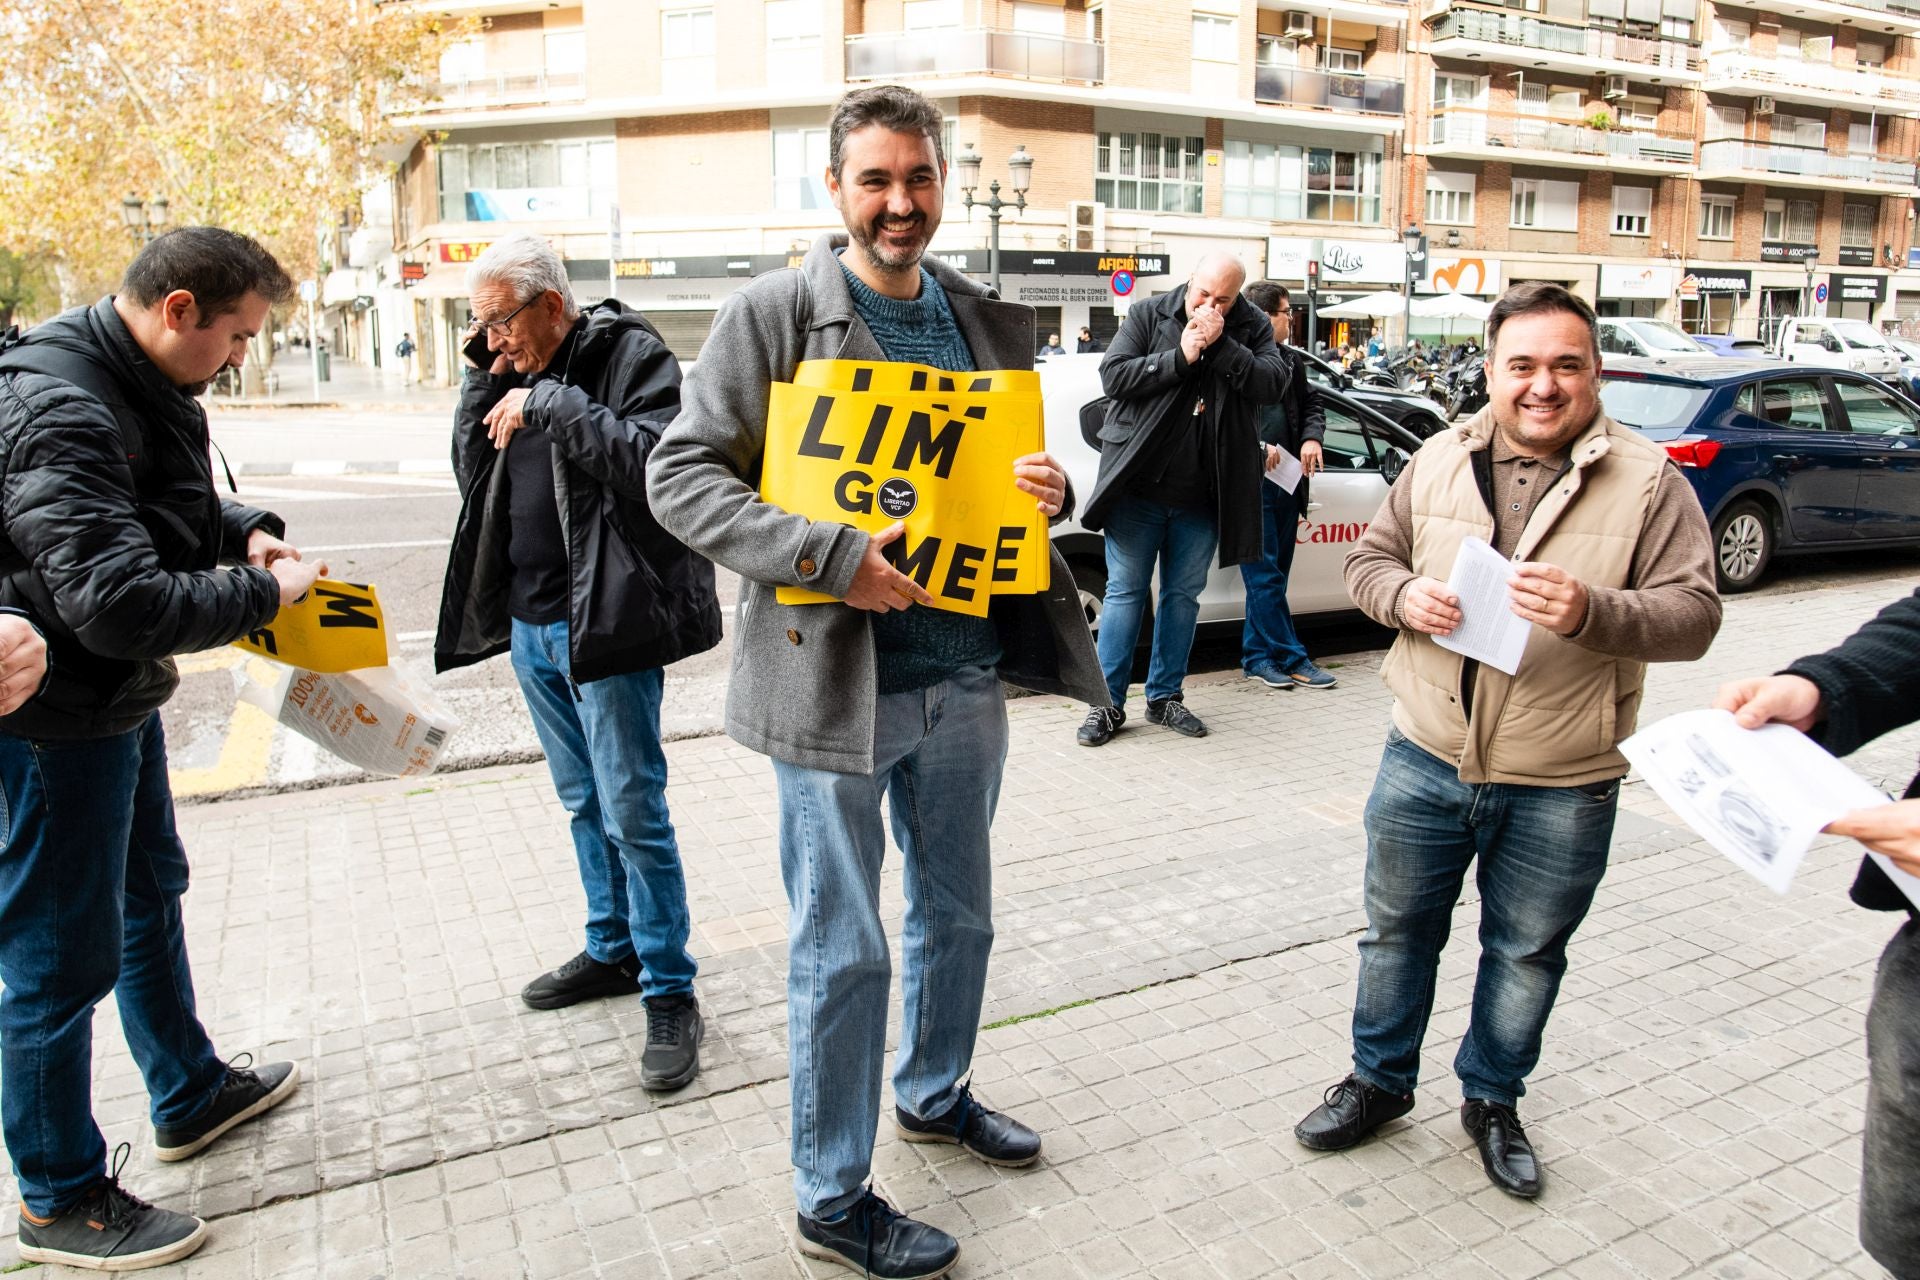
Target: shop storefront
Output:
{"points": [[1855, 296], [1643, 289], [1710, 298], [1331, 271]]}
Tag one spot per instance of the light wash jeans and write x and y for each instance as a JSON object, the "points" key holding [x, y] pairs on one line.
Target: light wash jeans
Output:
{"points": [[602, 741], [1140, 531], [1541, 852], [938, 754]]}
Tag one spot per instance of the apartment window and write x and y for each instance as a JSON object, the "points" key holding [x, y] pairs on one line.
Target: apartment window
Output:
{"points": [[1213, 38], [793, 24], [1731, 34], [1638, 117], [1856, 226], [1862, 139], [1450, 197], [1275, 51], [527, 181], [1726, 122], [1792, 221], [1341, 61], [799, 169], [463, 60], [1263, 180], [1870, 53], [1342, 186], [1040, 19], [1716, 217], [1676, 28], [1790, 38], [1458, 91], [1799, 131], [929, 15], [1544, 205], [1147, 171], [686, 33], [1632, 211]]}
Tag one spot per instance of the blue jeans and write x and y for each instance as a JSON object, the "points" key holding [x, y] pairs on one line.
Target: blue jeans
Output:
{"points": [[938, 754], [1541, 850], [90, 882], [1140, 531], [602, 741], [1268, 635]]}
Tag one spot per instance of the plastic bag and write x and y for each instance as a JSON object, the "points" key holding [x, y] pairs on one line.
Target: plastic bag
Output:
{"points": [[378, 718]]}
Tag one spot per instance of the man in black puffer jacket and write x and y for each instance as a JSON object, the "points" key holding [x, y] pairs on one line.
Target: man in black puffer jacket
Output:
{"points": [[1844, 699], [558, 559], [112, 540]]}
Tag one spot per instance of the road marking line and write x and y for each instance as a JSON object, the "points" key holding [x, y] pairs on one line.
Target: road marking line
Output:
{"points": [[379, 546], [244, 753], [440, 481]]}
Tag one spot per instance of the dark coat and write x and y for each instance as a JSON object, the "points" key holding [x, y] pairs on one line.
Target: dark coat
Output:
{"points": [[636, 597], [1304, 418], [1870, 685], [1150, 384], [111, 533]]}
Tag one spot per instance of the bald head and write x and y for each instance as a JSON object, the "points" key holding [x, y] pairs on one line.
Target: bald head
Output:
{"points": [[1215, 283]]}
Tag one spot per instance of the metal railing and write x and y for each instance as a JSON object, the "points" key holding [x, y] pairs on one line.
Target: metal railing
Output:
{"points": [[1806, 162], [975, 51], [1454, 126], [1525, 30], [510, 88], [1341, 91], [1856, 82]]}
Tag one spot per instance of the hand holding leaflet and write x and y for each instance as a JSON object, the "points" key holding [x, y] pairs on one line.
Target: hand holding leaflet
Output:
{"points": [[1488, 631], [1287, 472]]}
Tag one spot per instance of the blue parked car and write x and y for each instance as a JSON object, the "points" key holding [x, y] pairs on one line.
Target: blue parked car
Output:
{"points": [[1785, 457]]}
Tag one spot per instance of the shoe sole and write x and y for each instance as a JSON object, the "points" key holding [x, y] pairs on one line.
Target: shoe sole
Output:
{"points": [[1302, 684], [942, 1139], [268, 1103], [825, 1254], [125, 1262], [1095, 742], [562, 1000], [1185, 733], [1285, 682], [686, 1077]]}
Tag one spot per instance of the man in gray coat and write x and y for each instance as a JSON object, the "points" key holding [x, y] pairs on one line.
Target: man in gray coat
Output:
{"points": [[877, 696]]}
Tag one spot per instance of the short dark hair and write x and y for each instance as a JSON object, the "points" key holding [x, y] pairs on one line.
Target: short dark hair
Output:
{"points": [[891, 106], [218, 267], [1540, 297], [1267, 295]]}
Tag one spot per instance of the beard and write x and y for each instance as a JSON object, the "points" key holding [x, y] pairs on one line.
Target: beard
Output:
{"points": [[892, 260]]}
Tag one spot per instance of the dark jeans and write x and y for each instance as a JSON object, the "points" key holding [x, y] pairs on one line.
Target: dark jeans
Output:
{"points": [[90, 882], [1541, 851], [1268, 635], [1890, 1174]]}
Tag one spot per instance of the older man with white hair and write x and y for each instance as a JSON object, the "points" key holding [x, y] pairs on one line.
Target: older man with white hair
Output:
{"points": [[1180, 464], [558, 560]]}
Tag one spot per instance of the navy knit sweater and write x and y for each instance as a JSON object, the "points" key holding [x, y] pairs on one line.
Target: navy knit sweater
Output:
{"points": [[918, 647]]}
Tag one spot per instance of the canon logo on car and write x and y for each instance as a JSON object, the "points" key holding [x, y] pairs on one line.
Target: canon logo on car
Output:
{"points": [[1315, 533]]}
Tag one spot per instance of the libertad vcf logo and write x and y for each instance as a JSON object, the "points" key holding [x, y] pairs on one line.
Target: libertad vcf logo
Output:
{"points": [[898, 498]]}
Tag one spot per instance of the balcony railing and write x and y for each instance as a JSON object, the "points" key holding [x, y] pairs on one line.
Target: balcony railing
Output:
{"points": [[975, 51], [1788, 73], [1526, 31], [1300, 87], [1452, 126], [510, 88], [1730, 154]]}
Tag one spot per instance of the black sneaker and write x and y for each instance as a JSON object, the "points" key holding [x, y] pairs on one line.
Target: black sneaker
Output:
{"points": [[995, 1138], [110, 1229], [674, 1031], [582, 978], [1173, 713], [1349, 1112], [244, 1095], [878, 1242], [1101, 724]]}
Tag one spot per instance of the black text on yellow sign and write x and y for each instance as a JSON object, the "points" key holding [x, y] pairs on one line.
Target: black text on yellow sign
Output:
{"points": [[335, 627], [921, 448]]}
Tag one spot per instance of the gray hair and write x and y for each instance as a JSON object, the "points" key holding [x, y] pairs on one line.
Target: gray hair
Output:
{"points": [[527, 265]]}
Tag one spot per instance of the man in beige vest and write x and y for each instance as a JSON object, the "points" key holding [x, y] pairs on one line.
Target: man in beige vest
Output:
{"points": [[1612, 565]]}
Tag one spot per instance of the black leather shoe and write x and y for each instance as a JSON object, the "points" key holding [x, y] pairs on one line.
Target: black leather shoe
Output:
{"points": [[1349, 1112], [1173, 713], [1101, 724], [1504, 1149], [582, 978], [873, 1239], [674, 1032], [995, 1138]]}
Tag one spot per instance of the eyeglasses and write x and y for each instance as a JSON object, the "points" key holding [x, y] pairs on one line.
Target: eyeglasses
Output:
{"points": [[504, 325]]}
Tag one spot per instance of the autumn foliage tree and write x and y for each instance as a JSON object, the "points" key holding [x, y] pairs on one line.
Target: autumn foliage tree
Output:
{"points": [[269, 117]]}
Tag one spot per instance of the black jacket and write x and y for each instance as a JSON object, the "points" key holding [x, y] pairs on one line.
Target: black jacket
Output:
{"points": [[1870, 685], [1149, 382], [1303, 419], [637, 598], [111, 533]]}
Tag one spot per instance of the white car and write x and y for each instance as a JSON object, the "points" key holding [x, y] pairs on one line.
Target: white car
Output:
{"points": [[1363, 450]]}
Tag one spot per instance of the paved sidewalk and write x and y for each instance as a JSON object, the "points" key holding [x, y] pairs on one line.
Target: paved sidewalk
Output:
{"points": [[350, 385], [1170, 993]]}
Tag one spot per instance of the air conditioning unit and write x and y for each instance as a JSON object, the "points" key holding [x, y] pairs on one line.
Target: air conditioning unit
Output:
{"points": [[1299, 25], [1763, 106], [1616, 87], [1087, 225]]}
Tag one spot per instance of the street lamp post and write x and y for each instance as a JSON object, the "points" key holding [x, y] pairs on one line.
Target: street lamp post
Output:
{"points": [[1019, 177], [145, 219], [1416, 258]]}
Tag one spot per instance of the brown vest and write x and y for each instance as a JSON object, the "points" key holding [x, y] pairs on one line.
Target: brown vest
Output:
{"points": [[1558, 721]]}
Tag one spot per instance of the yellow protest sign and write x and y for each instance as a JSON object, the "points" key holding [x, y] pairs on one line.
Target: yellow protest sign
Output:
{"points": [[919, 446], [335, 627]]}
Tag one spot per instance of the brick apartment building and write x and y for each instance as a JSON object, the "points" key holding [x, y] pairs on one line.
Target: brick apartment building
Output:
{"points": [[1700, 162]]}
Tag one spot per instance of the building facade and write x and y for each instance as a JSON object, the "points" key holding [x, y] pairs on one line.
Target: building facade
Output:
{"points": [[1703, 163]]}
